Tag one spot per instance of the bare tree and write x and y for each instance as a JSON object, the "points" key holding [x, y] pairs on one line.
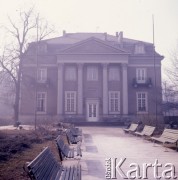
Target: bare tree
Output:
{"points": [[170, 101], [29, 27], [172, 71]]}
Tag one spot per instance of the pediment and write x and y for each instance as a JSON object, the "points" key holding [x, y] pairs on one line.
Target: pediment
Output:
{"points": [[93, 46]]}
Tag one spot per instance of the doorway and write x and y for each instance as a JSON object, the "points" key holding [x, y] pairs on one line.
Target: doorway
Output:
{"points": [[92, 110]]}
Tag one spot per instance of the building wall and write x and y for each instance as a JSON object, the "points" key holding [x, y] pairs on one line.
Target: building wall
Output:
{"points": [[151, 91], [52, 91], [91, 89], [101, 55], [28, 91]]}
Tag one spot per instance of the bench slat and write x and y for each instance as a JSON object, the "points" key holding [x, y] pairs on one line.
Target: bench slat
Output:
{"points": [[73, 139], [45, 167], [132, 128], [65, 151], [147, 131], [169, 136]]}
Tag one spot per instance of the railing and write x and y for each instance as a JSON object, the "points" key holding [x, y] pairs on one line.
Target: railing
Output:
{"points": [[146, 83], [45, 83]]}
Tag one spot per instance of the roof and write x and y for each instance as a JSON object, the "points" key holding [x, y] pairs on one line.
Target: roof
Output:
{"points": [[71, 38]]}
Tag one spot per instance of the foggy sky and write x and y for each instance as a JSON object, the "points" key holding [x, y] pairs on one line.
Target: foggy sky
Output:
{"points": [[133, 17]]}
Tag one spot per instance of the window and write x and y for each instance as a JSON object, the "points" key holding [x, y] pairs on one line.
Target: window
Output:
{"points": [[70, 73], [114, 74], [92, 73], [139, 49], [141, 102], [141, 75], [42, 75], [70, 102], [41, 101], [114, 102]]}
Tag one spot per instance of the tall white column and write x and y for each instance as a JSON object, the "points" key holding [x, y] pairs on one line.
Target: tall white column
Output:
{"points": [[60, 90], [125, 88], [80, 89], [105, 89]]}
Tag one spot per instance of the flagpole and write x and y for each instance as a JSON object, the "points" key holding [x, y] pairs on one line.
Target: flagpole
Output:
{"points": [[155, 79], [36, 74]]}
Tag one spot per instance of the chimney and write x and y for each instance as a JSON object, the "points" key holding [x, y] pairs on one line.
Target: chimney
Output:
{"points": [[105, 36], [121, 35], [64, 32], [120, 38]]}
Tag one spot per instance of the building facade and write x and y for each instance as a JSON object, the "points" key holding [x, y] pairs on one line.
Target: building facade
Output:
{"points": [[90, 77]]}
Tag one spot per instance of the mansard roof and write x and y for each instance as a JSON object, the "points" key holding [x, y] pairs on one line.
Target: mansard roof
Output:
{"points": [[71, 38], [69, 42]]}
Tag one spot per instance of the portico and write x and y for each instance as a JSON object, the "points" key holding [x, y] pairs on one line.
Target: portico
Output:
{"points": [[92, 97]]}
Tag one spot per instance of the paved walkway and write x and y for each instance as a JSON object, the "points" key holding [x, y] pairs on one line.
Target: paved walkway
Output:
{"points": [[101, 143]]}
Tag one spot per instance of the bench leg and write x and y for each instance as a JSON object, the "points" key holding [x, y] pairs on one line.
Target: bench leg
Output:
{"points": [[154, 143], [166, 148]]}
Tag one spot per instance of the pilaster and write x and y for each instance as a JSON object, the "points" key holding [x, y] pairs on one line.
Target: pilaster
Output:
{"points": [[60, 89], [80, 88], [125, 88], [105, 89]]}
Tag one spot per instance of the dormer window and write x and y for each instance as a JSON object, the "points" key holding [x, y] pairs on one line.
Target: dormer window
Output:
{"points": [[139, 48]]}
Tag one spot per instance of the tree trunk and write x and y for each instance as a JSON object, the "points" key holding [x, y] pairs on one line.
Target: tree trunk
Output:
{"points": [[17, 96]]}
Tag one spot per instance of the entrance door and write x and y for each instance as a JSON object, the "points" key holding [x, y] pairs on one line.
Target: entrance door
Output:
{"points": [[92, 110]]}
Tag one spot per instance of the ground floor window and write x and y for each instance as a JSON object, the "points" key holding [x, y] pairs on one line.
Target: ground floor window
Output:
{"points": [[142, 102], [114, 102], [41, 101], [70, 102]]}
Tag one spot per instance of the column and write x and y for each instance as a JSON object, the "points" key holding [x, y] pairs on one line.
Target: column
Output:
{"points": [[60, 90], [125, 88], [80, 89], [105, 89]]}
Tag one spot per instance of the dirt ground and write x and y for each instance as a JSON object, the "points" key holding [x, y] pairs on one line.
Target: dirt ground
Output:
{"points": [[20, 146]]}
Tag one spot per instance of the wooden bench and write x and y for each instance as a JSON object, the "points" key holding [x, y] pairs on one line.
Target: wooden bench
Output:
{"points": [[45, 167], [65, 151], [132, 128], [169, 138], [147, 131], [73, 139]]}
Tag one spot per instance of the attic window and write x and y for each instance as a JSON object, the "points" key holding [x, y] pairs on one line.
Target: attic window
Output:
{"points": [[139, 48]]}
